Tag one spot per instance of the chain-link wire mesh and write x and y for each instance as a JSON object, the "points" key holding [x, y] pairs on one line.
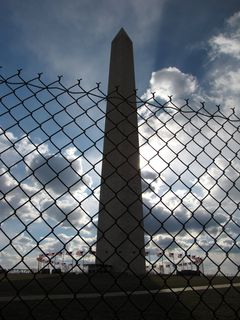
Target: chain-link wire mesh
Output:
{"points": [[51, 143]]}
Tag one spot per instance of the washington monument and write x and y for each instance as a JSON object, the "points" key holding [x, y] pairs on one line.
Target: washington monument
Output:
{"points": [[120, 238]]}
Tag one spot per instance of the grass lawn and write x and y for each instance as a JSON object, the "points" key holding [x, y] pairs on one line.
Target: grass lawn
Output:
{"points": [[208, 304], [85, 283]]}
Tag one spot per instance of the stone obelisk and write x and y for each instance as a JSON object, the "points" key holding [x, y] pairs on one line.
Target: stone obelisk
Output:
{"points": [[120, 238]]}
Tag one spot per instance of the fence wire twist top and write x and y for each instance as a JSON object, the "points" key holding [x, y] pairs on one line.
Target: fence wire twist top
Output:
{"points": [[51, 144]]}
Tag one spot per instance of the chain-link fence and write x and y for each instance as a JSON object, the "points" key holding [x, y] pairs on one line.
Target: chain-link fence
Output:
{"points": [[51, 143]]}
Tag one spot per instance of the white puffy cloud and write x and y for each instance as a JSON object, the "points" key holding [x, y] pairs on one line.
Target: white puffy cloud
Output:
{"points": [[223, 83], [222, 44], [190, 168], [44, 183], [227, 42], [171, 82], [221, 80], [223, 74], [190, 180]]}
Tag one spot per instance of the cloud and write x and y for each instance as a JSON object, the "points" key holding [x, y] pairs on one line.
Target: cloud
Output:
{"points": [[223, 73], [228, 42], [56, 172], [172, 81], [219, 84], [191, 181], [190, 166], [222, 44], [50, 184]]}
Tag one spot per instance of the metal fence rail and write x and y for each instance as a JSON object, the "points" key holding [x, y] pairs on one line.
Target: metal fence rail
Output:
{"points": [[51, 145]]}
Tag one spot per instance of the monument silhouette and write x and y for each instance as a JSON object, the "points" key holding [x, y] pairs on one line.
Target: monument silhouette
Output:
{"points": [[120, 237]]}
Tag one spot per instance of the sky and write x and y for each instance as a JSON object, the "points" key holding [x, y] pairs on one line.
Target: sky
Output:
{"points": [[188, 49]]}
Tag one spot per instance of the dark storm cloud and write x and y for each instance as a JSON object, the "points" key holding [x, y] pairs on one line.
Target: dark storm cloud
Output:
{"points": [[56, 173], [149, 175], [5, 210], [160, 220], [67, 216]]}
